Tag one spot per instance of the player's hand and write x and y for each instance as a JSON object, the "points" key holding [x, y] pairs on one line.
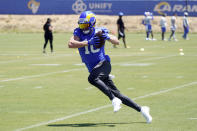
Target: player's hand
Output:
{"points": [[94, 40], [105, 36]]}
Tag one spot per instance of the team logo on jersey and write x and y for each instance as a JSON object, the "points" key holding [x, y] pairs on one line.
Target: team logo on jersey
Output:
{"points": [[79, 6], [161, 7], [33, 6]]}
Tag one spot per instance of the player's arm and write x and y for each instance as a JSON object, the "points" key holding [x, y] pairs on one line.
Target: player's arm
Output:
{"points": [[118, 27], [113, 39], [75, 42], [51, 28]]}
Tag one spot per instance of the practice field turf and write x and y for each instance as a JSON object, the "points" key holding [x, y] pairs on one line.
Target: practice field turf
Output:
{"points": [[51, 92]]}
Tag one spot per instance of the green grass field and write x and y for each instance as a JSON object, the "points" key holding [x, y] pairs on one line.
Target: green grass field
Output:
{"points": [[51, 92]]}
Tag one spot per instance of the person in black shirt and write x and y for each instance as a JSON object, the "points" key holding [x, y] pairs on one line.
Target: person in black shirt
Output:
{"points": [[48, 35], [121, 29]]}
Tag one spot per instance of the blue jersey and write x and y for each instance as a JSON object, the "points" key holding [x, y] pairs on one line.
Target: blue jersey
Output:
{"points": [[91, 55]]}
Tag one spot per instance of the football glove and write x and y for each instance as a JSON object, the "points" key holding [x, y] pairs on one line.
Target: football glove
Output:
{"points": [[94, 40], [105, 36]]}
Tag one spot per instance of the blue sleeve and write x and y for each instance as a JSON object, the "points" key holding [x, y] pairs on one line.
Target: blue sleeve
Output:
{"points": [[77, 32], [105, 30]]}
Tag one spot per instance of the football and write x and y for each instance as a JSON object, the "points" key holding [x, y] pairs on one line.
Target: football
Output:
{"points": [[102, 40]]}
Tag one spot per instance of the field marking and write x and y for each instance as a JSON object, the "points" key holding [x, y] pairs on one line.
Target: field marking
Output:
{"points": [[192, 118], [44, 57], [40, 75], [137, 64], [89, 88], [130, 88], [34, 58], [105, 106], [147, 59], [180, 77], [45, 64], [38, 87]]}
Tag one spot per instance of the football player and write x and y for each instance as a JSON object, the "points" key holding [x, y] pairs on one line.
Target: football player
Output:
{"points": [[173, 27], [98, 63], [121, 28], [163, 25], [147, 21], [185, 25]]}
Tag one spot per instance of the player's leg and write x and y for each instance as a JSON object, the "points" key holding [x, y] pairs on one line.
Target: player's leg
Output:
{"points": [[150, 31], [145, 111], [147, 32], [45, 44], [174, 37], [152, 34], [185, 33], [172, 32], [162, 35], [147, 35], [123, 39], [51, 43], [125, 100], [97, 75], [163, 32]]}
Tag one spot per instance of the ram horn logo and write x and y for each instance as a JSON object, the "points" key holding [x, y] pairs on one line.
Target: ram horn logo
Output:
{"points": [[34, 6], [161, 7], [79, 6]]}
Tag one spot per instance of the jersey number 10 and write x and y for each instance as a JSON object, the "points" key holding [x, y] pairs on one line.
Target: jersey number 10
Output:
{"points": [[92, 50]]}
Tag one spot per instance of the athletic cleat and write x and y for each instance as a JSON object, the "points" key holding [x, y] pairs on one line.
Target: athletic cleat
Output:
{"points": [[147, 39], [146, 114], [116, 102]]}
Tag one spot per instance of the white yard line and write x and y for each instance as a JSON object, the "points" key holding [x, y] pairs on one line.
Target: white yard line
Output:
{"points": [[34, 58], [147, 59], [192, 118], [105, 106], [55, 56], [40, 75], [45, 64], [46, 74]]}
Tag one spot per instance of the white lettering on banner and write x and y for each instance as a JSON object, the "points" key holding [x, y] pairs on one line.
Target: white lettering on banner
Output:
{"points": [[100, 6], [177, 8], [165, 6], [194, 8], [79, 6]]}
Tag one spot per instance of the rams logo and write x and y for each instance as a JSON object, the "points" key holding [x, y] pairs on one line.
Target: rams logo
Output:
{"points": [[34, 6], [161, 7]]}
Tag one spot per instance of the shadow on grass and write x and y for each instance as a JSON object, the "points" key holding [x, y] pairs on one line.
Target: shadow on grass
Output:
{"points": [[91, 124]]}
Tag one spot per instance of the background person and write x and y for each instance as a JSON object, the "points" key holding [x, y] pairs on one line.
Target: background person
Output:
{"points": [[173, 27], [185, 26], [147, 21], [163, 25], [98, 63], [121, 28], [48, 35]]}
